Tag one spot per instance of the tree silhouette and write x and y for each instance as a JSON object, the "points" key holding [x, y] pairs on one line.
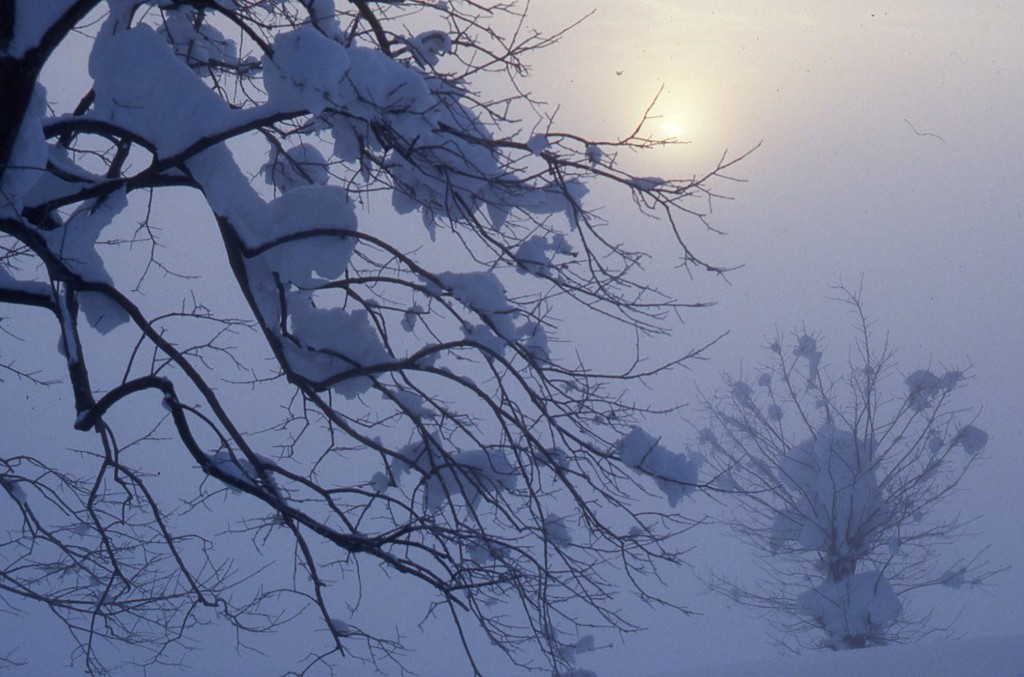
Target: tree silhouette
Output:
{"points": [[292, 383]]}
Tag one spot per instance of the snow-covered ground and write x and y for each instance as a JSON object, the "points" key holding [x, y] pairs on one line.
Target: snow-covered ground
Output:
{"points": [[984, 657]]}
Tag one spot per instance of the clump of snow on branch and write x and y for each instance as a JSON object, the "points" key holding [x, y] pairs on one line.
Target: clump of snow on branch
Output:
{"points": [[556, 530], [430, 46], [163, 103], [676, 474], [238, 469], [535, 254], [972, 438], [924, 387], [76, 243], [443, 475], [538, 143], [841, 506], [13, 488], [307, 70], [321, 214], [200, 44], [340, 627], [854, 608], [301, 165], [807, 348], [328, 343], [483, 293]]}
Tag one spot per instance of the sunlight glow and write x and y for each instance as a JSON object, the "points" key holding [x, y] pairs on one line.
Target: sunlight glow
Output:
{"points": [[674, 127], [682, 112]]}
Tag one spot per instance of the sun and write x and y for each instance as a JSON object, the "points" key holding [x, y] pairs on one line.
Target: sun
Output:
{"points": [[673, 127], [681, 110]]}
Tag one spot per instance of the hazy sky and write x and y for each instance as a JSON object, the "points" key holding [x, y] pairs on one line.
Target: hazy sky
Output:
{"points": [[893, 152]]}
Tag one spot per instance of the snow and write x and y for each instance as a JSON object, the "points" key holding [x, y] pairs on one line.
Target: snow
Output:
{"points": [[972, 439], [380, 482], [483, 551], [585, 644], [647, 183], [101, 312], [300, 210], [236, 468], [438, 166], [742, 393], [325, 343], [956, 578], [323, 14], [307, 70], [498, 214], [923, 387], [200, 46], [534, 340], [377, 84], [707, 436], [411, 403], [556, 530], [301, 165], [988, 656], [13, 489], [537, 144], [534, 255], [347, 143], [7, 281], [489, 465], [76, 243], [840, 501], [429, 47], [859, 606], [807, 348], [411, 316], [164, 102], [554, 458], [786, 527], [340, 627], [674, 473], [551, 199], [483, 293], [229, 194], [366, 86], [470, 473], [329, 342]]}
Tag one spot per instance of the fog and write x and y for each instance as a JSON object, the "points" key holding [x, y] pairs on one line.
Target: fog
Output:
{"points": [[887, 155], [891, 155]]}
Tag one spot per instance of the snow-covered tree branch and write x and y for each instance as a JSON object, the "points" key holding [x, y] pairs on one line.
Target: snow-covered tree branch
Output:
{"points": [[274, 357], [841, 484]]}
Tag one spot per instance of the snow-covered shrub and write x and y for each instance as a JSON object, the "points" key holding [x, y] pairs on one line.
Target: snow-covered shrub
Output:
{"points": [[838, 481]]}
